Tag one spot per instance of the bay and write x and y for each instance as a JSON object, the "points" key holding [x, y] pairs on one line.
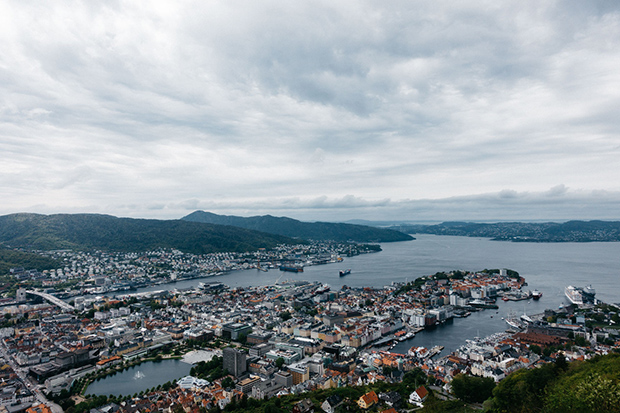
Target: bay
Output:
{"points": [[547, 267]]}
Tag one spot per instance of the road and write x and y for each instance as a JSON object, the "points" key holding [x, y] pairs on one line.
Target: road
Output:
{"points": [[29, 382]]}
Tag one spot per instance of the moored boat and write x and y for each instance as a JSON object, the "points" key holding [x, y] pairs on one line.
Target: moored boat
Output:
{"points": [[292, 268], [580, 296]]}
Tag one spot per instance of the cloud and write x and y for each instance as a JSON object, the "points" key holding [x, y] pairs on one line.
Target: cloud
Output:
{"points": [[152, 110], [558, 190]]}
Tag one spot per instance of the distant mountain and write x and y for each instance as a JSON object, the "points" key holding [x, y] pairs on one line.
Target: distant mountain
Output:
{"points": [[108, 233], [306, 230], [571, 231]]}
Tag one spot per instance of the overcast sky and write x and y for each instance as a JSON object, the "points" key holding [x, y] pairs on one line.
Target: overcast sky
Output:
{"points": [[335, 110]]}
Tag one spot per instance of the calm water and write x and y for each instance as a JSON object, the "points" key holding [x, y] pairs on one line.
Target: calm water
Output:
{"points": [[548, 267], [139, 378]]}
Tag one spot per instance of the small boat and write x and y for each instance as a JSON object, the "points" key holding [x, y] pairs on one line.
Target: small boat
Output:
{"points": [[536, 295], [345, 272]]}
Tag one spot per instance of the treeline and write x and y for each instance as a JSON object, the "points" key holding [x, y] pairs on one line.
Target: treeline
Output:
{"points": [[210, 370], [105, 232], [10, 258], [571, 231], [580, 386]]}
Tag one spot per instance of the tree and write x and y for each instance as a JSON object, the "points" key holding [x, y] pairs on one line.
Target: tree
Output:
{"points": [[243, 404], [561, 363], [524, 390], [279, 362], [535, 349], [472, 389], [581, 341], [285, 315], [228, 382]]}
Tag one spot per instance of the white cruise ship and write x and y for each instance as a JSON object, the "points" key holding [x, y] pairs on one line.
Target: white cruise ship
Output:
{"points": [[580, 296]]}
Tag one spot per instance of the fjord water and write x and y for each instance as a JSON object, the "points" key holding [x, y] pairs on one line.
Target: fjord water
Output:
{"points": [[548, 267]]}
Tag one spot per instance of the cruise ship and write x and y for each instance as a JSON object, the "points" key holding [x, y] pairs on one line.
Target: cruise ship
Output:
{"points": [[580, 296]]}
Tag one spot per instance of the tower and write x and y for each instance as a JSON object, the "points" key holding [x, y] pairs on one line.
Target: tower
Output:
{"points": [[234, 361]]}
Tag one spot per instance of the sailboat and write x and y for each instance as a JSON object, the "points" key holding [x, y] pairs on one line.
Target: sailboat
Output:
{"points": [[526, 317]]}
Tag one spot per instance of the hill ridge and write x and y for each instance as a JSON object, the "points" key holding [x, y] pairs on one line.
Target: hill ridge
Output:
{"points": [[290, 227], [107, 232]]}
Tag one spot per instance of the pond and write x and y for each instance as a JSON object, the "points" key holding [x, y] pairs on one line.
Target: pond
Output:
{"points": [[141, 377]]}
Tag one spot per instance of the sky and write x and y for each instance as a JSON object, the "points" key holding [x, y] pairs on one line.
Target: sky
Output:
{"points": [[320, 110]]}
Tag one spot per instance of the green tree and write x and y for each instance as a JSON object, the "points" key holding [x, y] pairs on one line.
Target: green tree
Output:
{"points": [[472, 389], [279, 362], [524, 390], [228, 382]]}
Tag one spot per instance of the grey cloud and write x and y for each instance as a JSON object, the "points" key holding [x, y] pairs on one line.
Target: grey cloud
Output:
{"points": [[278, 106]]}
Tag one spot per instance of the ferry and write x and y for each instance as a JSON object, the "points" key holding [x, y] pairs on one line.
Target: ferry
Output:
{"points": [[536, 295], [323, 289], [345, 272]]}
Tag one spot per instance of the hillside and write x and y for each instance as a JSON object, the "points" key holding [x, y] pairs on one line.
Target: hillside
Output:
{"points": [[105, 232], [27, 260], [590, 386], [306, 230], [571, 231]]}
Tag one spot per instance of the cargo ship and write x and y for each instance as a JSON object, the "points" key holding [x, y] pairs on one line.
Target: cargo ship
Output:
{"points": [[580, 296], [292, 268], [345, 272]]}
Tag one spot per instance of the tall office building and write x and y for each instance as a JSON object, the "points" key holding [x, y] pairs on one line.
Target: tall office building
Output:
{"points": [[234, 361]]}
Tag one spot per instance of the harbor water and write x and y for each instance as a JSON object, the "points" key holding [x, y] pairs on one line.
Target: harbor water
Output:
{"points": [[547, 267]]}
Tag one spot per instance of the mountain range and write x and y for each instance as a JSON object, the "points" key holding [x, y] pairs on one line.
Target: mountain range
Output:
{"points": [[198, 233], [571, 231], [305, 230], [109, 233]]}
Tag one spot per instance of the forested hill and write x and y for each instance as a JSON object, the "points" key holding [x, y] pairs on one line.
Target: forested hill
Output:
{"points": [[307, 230], [14, 259], [108, 233], [571, 231]]}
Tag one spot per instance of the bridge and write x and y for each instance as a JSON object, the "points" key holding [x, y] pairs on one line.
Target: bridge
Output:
{"points": [[54, 300]]}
